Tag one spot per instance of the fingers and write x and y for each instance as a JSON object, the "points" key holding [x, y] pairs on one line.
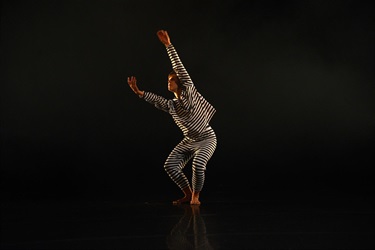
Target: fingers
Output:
{"points": [[132, 80], [162, 33], [159, 34]]}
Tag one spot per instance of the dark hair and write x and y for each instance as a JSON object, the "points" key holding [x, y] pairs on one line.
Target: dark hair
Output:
{"points": [[179, 83]]}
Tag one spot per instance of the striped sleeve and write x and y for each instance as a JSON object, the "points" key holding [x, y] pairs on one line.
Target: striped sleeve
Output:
{"points": [[158, 101], [184, 77], [178, 67]]}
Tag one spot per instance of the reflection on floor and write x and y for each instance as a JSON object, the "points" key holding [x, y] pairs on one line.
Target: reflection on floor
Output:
{"points": [[216, 224], [190, 231]]}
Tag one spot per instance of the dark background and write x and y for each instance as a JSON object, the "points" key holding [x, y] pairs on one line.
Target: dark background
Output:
{"points": [[292, 82]]}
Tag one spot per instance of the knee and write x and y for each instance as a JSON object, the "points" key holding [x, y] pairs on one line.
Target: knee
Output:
{"points": [[169, 167], [199, 168]]}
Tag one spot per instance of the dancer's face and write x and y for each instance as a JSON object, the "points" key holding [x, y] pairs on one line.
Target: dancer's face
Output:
{"points": [[172, 83]]}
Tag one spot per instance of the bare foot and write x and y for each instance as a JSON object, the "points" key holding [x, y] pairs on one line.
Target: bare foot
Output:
{"points": [[195, 201], [195, 198], [182, 200], [187, 196]]}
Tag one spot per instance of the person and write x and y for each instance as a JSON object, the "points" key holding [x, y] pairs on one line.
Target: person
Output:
{"points": [[192, 114]]}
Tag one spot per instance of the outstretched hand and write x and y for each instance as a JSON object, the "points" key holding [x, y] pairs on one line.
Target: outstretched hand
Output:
{"points": [[164, 37], [132, 81]]}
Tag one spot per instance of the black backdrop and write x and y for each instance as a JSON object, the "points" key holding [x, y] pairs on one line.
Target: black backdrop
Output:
{"points": [[292, 82]]}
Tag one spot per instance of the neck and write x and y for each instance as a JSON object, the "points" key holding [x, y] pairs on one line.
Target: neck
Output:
{"points": [[177, 93]]}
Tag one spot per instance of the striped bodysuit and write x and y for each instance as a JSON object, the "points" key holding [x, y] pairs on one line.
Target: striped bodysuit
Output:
{"points": [[192, 114]]}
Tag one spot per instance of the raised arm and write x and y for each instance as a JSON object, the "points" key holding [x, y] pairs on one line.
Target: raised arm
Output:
{"points": [[177, 65]]}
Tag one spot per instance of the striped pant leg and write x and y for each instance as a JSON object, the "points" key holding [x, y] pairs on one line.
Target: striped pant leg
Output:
{"points": [[175, 163], [201, 157]]}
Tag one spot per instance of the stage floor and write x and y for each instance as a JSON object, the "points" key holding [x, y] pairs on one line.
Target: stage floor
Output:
{"points": [[218, 223]]}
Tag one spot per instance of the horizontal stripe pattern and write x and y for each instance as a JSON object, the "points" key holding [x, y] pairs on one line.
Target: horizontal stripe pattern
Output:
{"points": [[192, 112], [200, 151]]}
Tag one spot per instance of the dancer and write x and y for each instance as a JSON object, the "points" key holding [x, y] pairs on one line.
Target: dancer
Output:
{"points": [[192, 114]]}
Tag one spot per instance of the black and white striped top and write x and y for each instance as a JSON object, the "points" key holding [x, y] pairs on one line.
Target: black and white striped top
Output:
{"points": [[192, 113]]}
